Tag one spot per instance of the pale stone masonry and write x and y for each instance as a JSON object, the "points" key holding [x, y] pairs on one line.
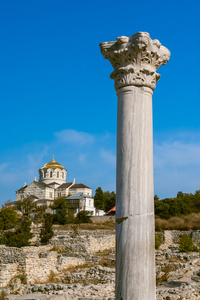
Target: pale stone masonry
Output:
{"points": [[37, 263], [178, 273], [135, 60], [52, 185]]}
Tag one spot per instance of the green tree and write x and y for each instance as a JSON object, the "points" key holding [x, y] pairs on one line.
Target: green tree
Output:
{"points": [[83, 216], [26, 206], [197, 193], [20, 237], [61, 208], [175, 208], [47, 231], [162, 209], [40, 212], [179, 194], [109, 200], [99, 198], [104, 200], [8, 218]]}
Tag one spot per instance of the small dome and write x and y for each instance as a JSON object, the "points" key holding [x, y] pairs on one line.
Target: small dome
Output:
{"points": [[53, 164]]}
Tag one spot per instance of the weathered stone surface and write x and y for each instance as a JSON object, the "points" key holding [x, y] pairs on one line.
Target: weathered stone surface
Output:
{"points": [[180, 272], [84, 241], [37, 263], [135, 60]]}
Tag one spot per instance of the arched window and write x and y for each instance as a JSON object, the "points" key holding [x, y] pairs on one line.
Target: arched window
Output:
{"points": [[57, 174], [44, 174], [51, 174], [62, 175]]}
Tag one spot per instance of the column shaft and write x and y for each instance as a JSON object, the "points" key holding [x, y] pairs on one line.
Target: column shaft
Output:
{"points": [[135, 272]]}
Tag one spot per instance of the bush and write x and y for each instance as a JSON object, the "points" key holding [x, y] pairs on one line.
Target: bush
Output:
{"points": [[190, 222], [61, 208], [47, 231], [158, 240], [20, 237], [186, 244], [26, 206], [83, 216], [182, 205], [8, 218]]}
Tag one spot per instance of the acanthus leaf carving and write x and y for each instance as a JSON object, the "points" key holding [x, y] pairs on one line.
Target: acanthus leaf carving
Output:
{"points": [[135, 60]]}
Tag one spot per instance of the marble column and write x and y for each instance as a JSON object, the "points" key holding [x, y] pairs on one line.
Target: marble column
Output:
{"points": [[135, 60]]}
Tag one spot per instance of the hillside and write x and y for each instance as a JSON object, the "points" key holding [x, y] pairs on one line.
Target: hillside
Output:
{"points": [[79, 264]]}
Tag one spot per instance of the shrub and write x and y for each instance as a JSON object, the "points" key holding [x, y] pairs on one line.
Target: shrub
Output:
{"points": [[61, 208], [186, 244], [182, 205], [20, 237], [47, 231], [8, 218], [83, 216], [26, 206], [158, 240], [23, 278], [189, 222]]}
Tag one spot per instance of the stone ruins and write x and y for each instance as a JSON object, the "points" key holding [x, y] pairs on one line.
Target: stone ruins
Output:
{"points": [[80, 265]]}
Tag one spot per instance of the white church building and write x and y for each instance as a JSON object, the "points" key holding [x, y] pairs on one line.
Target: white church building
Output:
{"points": [[52, 184]]}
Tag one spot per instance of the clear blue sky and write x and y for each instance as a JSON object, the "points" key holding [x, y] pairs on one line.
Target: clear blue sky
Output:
{"points": [[57, 97]]}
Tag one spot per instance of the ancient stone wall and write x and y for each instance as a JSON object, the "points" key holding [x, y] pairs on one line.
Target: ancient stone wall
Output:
{"points": [[37, 263], [67, 249], [84, 240], [103, 219], [172, 237]]}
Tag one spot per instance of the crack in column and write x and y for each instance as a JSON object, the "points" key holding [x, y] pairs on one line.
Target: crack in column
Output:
{"points": [[120, 220]]}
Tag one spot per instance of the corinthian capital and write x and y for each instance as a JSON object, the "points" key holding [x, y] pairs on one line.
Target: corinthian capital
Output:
{"points": [[135, 59]]}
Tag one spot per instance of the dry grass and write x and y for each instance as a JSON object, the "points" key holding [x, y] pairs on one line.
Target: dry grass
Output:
{"points": [[105, 259], [52, 277], [174, 260], [87, 226], [103, 253], [73, 269], [106, 262], [3, 295], [190, 222], [165, 276], [59, 250]]}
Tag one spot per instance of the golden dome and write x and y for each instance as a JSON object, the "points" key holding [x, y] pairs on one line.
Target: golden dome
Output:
{"points": [[53, 164]]}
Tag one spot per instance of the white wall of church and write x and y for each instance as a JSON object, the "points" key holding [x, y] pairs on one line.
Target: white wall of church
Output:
{"points": [[32, 189], [86, 191], [61, 193], [52, 175]]}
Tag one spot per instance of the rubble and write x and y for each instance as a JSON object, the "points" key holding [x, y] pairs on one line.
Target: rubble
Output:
{"points": [[64, 270]]}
